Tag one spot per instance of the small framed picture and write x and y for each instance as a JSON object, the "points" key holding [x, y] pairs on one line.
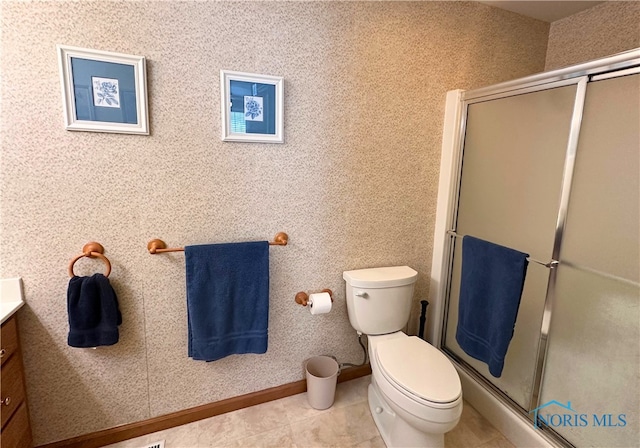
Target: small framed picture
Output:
{"points": [[103, 91], [252, 107]]}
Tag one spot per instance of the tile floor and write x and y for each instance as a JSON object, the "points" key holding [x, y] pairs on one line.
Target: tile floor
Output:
{"points": [[291, 422]]}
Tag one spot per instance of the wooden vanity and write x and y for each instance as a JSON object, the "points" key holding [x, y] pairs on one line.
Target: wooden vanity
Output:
{"points": [[16, 429]]}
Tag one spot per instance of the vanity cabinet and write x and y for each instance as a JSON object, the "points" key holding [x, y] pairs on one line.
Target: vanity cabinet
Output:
{"points": [[16, 430]]}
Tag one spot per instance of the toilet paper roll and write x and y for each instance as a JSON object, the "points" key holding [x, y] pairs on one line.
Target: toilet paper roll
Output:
{"points": [[319, 303]]}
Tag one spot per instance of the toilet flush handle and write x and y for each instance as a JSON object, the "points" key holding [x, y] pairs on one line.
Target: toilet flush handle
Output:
{"points": [[361, 294]]}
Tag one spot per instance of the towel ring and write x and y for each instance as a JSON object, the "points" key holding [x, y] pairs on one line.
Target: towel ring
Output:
{"points": [[91, 250]]}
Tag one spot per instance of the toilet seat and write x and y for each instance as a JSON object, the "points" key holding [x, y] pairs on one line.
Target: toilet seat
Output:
{"points": [[418, 370]]}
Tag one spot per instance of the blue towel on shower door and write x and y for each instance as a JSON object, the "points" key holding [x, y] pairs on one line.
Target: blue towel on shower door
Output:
{"points": [[227, 299], [491, 286]]}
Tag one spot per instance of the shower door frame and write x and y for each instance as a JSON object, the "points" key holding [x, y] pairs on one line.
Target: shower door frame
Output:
{"points": [[448, 199]]}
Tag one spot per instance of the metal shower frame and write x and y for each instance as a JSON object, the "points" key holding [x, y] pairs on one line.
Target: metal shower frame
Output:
{"points": [[618, 65]]}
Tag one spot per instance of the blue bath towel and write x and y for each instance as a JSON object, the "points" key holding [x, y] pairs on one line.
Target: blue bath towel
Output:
{"points": [[94, 315], [491, 286], [227, 299]]}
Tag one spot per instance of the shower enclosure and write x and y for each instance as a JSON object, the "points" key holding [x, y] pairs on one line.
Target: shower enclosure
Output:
{"points": [[549, 165]]}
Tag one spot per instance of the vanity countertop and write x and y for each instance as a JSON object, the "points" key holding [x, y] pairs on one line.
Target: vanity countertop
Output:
{"points": [[11, 299]]}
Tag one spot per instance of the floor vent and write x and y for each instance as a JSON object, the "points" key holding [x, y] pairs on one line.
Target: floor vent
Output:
{"points": [[159, 444]]}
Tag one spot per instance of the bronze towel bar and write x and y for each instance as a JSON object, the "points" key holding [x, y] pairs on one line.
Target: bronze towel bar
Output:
{"points": [[158, 246]]}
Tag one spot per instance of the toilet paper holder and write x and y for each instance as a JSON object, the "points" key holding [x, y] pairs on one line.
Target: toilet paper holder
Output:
{"points": [[302, 298]]}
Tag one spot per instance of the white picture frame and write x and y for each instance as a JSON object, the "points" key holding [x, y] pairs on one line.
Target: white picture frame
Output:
{"points": [[103, 91], [252, 107]]}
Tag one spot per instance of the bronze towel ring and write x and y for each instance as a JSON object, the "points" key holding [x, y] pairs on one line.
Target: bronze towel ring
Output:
{"points": [[91, 250]]}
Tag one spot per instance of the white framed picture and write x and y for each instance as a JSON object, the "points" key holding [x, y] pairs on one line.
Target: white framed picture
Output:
{"points": [[251, 107], [103, 91]]}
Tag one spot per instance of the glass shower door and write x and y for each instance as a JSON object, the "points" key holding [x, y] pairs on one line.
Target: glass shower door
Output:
{"points": [[514, 154], [593, 358]]}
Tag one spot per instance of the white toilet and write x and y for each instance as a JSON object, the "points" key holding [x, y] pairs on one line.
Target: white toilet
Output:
{"points": [[415, 395]]}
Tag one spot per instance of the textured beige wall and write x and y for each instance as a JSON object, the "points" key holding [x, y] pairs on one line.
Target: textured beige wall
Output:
{"points": [[354, 185], [605, 29]]}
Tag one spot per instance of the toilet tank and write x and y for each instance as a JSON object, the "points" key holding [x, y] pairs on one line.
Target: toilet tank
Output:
{"points": [[379, 299]]}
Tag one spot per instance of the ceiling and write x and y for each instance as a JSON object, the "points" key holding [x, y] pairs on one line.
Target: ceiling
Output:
{"points": [[548, 11]]}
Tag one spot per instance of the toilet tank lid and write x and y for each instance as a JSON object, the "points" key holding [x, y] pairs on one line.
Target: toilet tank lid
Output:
{"points": [[386, 277]]}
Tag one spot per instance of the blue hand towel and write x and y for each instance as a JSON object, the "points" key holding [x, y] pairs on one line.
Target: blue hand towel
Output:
{"points": [[93, 311], [491, 286], [227, 299]]}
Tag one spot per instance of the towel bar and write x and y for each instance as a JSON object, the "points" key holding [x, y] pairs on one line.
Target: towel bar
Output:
{"points": [[158, 246], [551, 264], [91, 250]]}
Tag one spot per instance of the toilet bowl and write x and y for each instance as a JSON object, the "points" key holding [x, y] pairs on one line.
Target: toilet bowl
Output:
{"points": [[415, 395]]}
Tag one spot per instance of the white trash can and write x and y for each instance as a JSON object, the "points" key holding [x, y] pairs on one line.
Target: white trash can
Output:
{"points": [[322, 377]]}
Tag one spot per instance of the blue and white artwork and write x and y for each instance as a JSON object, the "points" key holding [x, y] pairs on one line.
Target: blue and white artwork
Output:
{"points": [[105, 92], [253, 110], [253, 107]]}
